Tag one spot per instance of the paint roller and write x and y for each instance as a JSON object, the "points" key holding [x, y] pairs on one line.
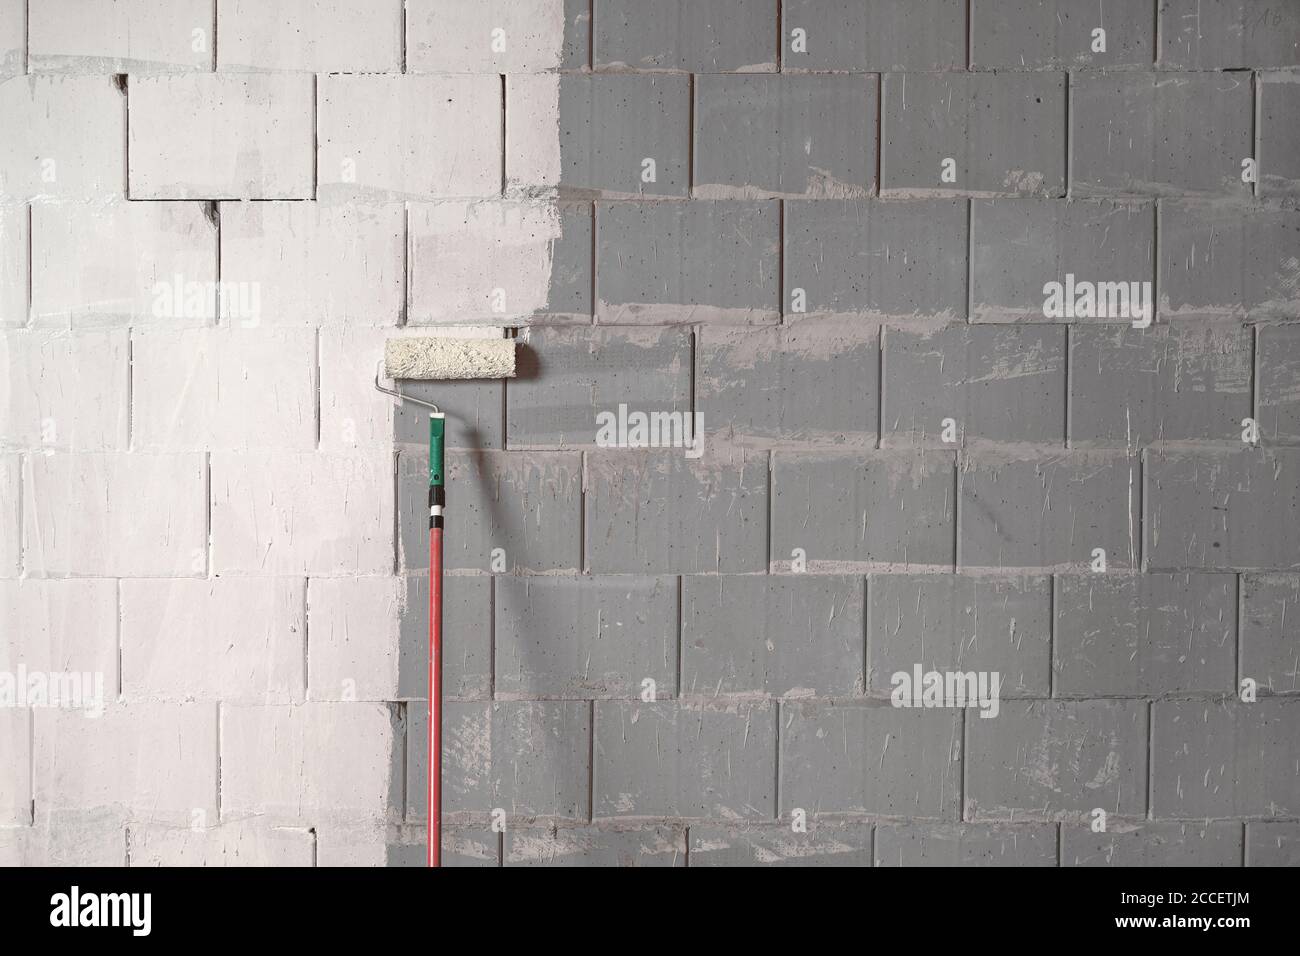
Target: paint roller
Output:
{"points": [[441, 355]]}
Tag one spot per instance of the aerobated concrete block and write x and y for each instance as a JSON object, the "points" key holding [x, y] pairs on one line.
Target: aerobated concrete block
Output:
{"points": [[699, 262], [580, 381], [67, 838], [1153, 844], [585, 637], [125, 36], [228, 639], [1277, 135], [714, 36], [822, 845], [222, 136], [237, 843], [317, 514], [1019, 246], [685, 759], [823, 770], [659, 511], [65, 625], [388, 137], [1268, 637], [1005, 134], [224, 388], [314, 264], [1062, 34], [1183, 381], [1160, 134], [1050, 513], [989, 383], [283, 762], [496, 36], [1228, 34], [1232, 262], [1143, 635], [68, 143], [607, 136], [878, 259], [1222, 509], [116, 515], [16, 761], [121, 263], [1273, 844], [14, 262], [948, 623], [529, 758], [1225, 759], [1278, 349], [337, 36], [397, 845], [489, 263], [13, 39], [66, 390], [511, 512], [854, 513], [11, 516], [590, 846], [784, 136], [1057, 760], [813, 383], [156, 761], [907, 844], [466, 634], [873, 37], [772, 636]]}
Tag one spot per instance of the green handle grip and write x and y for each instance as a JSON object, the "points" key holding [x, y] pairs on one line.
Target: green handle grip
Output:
{"points": [[437, 429]]}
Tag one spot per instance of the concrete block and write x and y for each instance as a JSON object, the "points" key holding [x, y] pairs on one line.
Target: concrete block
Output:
{"points": [[66, 627], [823, 770], [123, 36], [716, 36], [378, 844], [337, 36], [115, 515], [608, 136], [1143, 635], [1278, 140], [1005, 134], [769, 636], [499, 262], [1159, 134], [398, 138], [316, 514], [879, 259], [1273, 844], [283, 762], [237, 843], [988, 383], [947, 623], [789, 137], [589, 846], [1049, 513], [67, 390], [227, 639], [1228, 34], [1057, 760], [121, 263], [496, 36], [1062, 34], [909, 844], [222, 136], [14, 265], [224, 388], [811, 384], [1153, 844], [313, 264], [878, 36], [11, 516], [847, 513], [67, 838], [578, 384], [1222, 509], [466, 633], [154, 761], [510, 512], [1225, 759], [1268, 639], [822, 845], [13, 40], [685, 759], [654, 512], [698, 263], [585, 637], [1278, 391], [16, 761], [1236, 263], [70, 140]]}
